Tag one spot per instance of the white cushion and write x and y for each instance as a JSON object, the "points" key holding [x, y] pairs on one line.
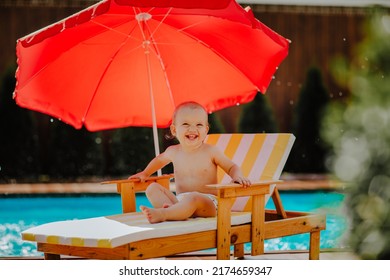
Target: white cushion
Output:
{"points": [[117, 230]]}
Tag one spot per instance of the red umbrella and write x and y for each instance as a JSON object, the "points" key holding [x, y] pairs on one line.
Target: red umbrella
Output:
{"points": [[126, 63]]}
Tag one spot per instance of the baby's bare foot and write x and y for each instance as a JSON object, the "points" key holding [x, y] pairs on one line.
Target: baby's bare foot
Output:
{"points": [[153, 215]]}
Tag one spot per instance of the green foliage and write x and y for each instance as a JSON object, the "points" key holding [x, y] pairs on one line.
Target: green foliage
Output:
{"points": [[309, 150], [257, 116], [360, 136], [215, 124]]}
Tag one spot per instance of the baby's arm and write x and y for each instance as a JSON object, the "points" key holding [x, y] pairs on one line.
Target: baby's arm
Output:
{"points": [[237, 177], [155, 164], [230, 168]]}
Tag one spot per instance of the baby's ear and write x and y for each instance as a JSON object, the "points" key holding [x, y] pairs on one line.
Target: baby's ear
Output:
{"points": [[173, 129]]}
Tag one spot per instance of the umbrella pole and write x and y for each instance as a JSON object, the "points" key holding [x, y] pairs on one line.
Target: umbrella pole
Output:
{"points": [[154, 119]]}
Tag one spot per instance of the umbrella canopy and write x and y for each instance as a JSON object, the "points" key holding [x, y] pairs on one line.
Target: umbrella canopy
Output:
{"points": [[126, 63]]}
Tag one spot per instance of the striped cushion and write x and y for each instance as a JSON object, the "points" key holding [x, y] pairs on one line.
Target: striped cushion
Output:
{"points": [[260, 157]]}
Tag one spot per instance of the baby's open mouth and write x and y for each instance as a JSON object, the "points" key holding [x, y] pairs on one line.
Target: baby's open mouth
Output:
{"points": [[191, 136]]}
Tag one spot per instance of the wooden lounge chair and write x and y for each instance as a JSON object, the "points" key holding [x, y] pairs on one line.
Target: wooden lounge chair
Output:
{"points": [[241, 216]]}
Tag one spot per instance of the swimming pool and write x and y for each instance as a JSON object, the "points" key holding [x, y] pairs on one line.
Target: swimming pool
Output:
{"points": [[20, 213]]}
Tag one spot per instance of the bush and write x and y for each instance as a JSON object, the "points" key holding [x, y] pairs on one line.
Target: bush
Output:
{"points": [[257, 116], [309, 151], [360, 135]]}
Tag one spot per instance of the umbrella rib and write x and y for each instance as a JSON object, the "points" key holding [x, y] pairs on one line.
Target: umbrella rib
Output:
{"points": [[101, 77], [160, 23], [155, 49], [182, 31], [196, 39], [158, 55], [114, 30]]}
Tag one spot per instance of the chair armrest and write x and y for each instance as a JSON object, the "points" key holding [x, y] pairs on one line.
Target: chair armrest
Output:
{"points": [[232, 190], [138, 185], [128, 187]]}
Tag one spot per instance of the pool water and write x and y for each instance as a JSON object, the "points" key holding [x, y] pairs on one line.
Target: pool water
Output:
{"points": [[20, 213]]}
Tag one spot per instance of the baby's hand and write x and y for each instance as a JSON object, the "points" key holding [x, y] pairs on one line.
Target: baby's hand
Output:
{"points": [[139, 175], [242, 181]]}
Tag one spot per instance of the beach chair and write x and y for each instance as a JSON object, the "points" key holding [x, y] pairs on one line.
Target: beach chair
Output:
{"points": [[241, 216]]}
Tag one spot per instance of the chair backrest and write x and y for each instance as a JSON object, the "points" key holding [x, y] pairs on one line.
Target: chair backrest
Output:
{"points": [[260, 157]]}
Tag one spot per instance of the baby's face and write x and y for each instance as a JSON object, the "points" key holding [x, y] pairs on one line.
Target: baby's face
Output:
{"points": [[190, 126]]}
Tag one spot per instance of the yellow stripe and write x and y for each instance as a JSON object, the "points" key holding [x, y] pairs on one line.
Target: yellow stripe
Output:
{"points": [[230, 150], [53, 239], [28, 236], [104, 243], [212, 139], [77, 241], [233, 144], [252, 155], [248, 205], [274, 160]]}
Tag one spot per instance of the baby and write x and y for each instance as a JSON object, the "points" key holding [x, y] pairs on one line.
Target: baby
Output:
{"points": [[195, 166]]}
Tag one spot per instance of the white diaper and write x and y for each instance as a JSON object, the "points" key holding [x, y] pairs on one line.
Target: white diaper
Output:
{"points": [[211, 196]]}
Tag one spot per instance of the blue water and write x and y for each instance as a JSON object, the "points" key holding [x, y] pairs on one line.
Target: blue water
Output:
{"points": [[20, 213]]}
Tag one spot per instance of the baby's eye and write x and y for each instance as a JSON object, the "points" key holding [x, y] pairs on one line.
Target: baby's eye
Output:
{"points": [[199, 125]]}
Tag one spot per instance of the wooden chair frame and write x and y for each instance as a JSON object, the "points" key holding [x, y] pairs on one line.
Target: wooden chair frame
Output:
{"points": [[264, 225]]}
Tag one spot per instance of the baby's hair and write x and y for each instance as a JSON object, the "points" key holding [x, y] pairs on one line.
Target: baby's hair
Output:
{"points": [[188, 104]]}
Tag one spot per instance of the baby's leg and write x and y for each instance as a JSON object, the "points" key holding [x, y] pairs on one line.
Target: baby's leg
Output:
{"points": [[159, 196], [192, 204]]}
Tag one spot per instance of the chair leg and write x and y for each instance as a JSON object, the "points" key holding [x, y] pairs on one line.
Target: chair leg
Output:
{"points": [[239, 251], [224, 228], [314, 251], [49, 256]]}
